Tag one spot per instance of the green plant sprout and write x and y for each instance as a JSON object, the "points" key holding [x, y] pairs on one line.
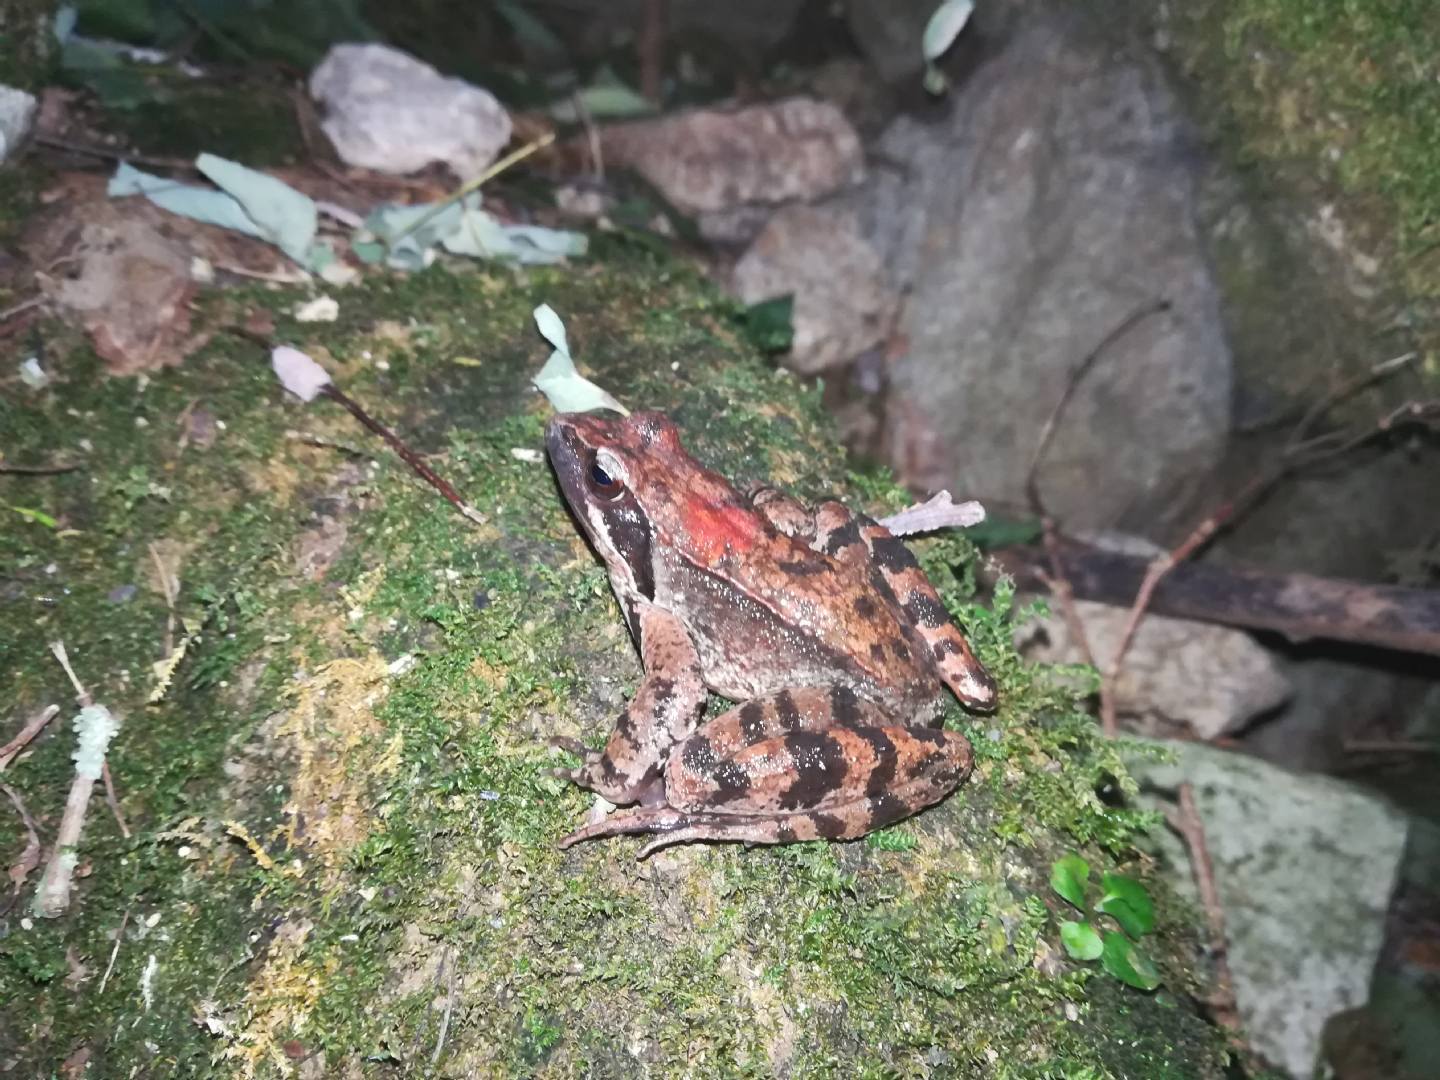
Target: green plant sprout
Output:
{"points": [[1125, 901]]}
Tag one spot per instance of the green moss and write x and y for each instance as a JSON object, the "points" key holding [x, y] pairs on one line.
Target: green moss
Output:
{"points": [[1337, 101], [356, 764], [253, 123]]}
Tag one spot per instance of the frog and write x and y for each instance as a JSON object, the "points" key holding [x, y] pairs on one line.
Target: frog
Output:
{"points": [[815, 621]]}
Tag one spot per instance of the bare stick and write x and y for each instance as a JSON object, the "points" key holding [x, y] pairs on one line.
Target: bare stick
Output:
{"points": [[114, 802], [81, 694], [1042, 447], [1391, 746], [409, 456], [1059, 584], [29, 856], [95, 726], [37, 470], [651, 47], [1188, 824], [471, 185], [32, 727], [449, 1008], [119, 937]]}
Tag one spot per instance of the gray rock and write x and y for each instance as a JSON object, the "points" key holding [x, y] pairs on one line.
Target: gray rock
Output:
{"points": [[1304, 866], [1052, 201], [387, 111], [17, 113], [843, 301], [1210, 679]]}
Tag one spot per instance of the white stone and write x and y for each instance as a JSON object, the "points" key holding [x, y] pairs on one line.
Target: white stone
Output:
{"points": [[17, 113], [386, 110], [1304, 866]]}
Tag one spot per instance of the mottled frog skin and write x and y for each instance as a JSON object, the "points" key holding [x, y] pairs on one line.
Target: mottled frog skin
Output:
{"points": [[820, 623]]}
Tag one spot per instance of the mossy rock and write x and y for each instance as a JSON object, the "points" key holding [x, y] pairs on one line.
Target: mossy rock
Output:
{"points": [[343, 856]]}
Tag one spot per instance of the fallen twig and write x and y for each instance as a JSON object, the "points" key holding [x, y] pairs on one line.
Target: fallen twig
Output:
{"points": [[1302, 449], [1302, 607], [1391, 746], [95, 726], [454, 962], [1057, 581], [32, 727], [113, 800], [651, 48], [1187, 823], [307, 380], [29, 855], [119, 937], [37, 470]]}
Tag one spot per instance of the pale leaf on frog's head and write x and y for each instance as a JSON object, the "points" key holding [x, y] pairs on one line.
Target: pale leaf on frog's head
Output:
{"points": [[565, 388], [938, 512], [299, 374]]}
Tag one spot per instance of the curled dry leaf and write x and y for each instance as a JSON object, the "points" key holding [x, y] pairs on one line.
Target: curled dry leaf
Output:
{"points": [[938, 512]]}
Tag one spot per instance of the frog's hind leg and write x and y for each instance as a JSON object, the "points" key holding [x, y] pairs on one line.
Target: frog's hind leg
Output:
{"points": [[845, 822], [855, 538]]}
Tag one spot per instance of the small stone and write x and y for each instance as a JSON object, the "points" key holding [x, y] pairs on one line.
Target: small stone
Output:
{"points": [[388, 111]]}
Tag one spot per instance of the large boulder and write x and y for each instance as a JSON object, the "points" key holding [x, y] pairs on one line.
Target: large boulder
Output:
{"points": [[1050, 201]]}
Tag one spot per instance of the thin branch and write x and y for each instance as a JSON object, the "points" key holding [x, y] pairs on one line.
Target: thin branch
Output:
{"points": [[1188, 824], [471, 185], [38, 470], [1077, 375], [119, 937], [409, 456], [32, 727], [81, 694], [449, 1009], [29, 855], [114, 802], [1059, 584], [108, 154], [23, 306]]}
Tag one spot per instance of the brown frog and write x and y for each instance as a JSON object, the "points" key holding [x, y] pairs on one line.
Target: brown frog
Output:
{"points": [[820, 623]]}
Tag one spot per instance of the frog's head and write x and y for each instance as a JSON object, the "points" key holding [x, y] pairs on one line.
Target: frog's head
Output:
{"points": [[640, 497], [602, 464]]}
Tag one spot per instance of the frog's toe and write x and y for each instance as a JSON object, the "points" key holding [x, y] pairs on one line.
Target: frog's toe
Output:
{"points": [[569, 745], [645, 819]]}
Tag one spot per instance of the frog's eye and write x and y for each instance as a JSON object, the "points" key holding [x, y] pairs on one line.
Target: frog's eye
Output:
{"points": [[602, 483]]}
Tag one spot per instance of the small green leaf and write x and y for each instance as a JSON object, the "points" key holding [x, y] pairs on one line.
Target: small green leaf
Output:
{"points": [[1127, 902], [1068, 877], [1123, 958], [1081, 940], [37, 516]]}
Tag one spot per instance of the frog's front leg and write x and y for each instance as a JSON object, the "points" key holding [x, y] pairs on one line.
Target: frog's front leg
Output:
{"points": [[664, 711], [805, 764]]}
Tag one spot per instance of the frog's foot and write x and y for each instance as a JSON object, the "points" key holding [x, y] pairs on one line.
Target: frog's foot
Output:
{"points": [[845, 822], [597, 773]]}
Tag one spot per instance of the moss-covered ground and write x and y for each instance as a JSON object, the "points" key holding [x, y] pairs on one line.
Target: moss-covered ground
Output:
{"points": [[343, 857], [1335, 104]]}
